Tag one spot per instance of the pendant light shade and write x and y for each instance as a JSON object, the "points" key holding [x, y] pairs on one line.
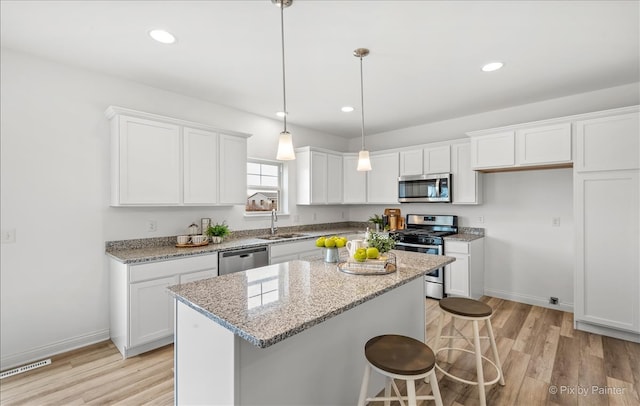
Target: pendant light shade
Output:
{"points": [[285, 147], [285, 141], [364, 162]]}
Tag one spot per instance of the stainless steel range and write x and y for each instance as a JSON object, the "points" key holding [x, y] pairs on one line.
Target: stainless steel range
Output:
{"points": [[424, 234]]}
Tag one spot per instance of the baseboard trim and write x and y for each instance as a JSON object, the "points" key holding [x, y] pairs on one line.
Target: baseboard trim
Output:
{"points": [[606, 331], [46, 351], [527, 299]]}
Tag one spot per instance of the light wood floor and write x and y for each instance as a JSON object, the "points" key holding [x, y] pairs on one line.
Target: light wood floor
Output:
{"points": [[538, 347]]}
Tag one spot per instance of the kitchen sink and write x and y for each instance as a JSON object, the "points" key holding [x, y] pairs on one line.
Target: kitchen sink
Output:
{"points": [[281, 236]]}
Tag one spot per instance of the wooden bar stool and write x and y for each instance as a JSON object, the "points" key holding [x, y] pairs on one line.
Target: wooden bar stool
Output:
{"points": [[399, 357], [474, 311]]}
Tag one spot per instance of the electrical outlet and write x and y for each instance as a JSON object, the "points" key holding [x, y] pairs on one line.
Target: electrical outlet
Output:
{"points": [[553, 300], [296, 218], [9, 236], [152, 226], [342, 214], [315, 216], [555, 222], [480, 219]]}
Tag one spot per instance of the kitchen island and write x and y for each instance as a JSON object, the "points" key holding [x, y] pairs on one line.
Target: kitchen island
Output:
{"points": [[291, 333]]}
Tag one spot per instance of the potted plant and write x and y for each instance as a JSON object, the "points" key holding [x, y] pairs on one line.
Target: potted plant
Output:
{"points": [[377, 220], [217, 232], [382, 243]]}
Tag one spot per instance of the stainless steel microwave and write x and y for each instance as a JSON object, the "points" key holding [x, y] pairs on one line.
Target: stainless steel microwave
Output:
{"points": [[424, 188]]}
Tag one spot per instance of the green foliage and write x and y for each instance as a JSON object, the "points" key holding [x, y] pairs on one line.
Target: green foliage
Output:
{"points": [[375, 219], [382, 243], [218, 230]]}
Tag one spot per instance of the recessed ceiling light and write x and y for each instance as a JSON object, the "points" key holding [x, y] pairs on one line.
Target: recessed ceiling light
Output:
{"points": [[347, 109], [490, 67], [281, 114], [162, 36]]}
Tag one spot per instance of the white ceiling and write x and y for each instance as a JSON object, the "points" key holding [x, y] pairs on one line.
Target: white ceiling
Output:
{"points": [[424, 64]]}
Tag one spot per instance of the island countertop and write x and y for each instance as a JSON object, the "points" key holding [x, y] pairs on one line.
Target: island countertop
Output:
{"points": [[269, 304]]}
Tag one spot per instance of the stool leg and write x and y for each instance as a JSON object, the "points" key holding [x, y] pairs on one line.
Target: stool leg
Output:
{"points": [[365, 386], [436, 344], [494, 349], [451, 328], [411, 393], [435, 390], [387, 391], [478, 351]]}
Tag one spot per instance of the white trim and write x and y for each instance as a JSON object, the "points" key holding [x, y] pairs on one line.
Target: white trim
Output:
{"points": [[607, 331], [528, 299], [14, 360]]}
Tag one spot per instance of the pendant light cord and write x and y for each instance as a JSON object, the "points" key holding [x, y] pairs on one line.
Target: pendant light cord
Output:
{"points": [[362, 101], [284, 86]]}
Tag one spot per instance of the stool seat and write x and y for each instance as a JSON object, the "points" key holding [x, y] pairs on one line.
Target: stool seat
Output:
{"points": [[399, 355], [465, 307]]}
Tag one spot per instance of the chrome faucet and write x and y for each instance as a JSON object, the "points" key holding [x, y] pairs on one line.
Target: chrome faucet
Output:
{"points": [[274, 219]]}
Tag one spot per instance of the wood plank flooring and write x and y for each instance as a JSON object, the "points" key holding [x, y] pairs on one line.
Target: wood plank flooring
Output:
{"points": [[539, 349]]}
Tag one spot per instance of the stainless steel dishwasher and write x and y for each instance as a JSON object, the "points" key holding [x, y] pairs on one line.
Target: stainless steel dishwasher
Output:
{"points": [[242, 259]]}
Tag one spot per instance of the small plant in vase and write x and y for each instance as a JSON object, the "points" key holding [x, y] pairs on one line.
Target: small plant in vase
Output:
{"points": [[217, 232], [378, 221]]}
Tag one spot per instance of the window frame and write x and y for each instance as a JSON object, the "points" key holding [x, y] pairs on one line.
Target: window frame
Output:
{"points": [[281, 188]]}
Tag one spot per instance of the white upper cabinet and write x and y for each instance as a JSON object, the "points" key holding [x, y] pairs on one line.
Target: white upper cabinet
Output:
{"points": [[233, 169], [520, 147], [544, 145], [162, 161], [437, 159], [319, 176], [382, 180], [200, 166], [467, 186], [411, 162], [608, 143], [424, 161], [143, 175], [355, 182], [493, 150]]}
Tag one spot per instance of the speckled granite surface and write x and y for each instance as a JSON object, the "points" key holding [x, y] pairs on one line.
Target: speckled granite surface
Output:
{"points": [[269, 304], [158, 249]]}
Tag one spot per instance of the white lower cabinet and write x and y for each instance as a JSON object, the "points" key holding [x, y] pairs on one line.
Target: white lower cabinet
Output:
{"points": [[141, 308], [465, 276], [284, 252]]}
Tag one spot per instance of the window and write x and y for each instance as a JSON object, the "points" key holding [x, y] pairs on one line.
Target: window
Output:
{"points": [[264, 186]]}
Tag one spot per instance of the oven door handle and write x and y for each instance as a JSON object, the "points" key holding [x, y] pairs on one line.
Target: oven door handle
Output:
{"points": [[406, 244]]}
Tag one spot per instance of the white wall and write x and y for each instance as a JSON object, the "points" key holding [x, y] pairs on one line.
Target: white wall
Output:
{"points": [[526, 259], [55, 185]]}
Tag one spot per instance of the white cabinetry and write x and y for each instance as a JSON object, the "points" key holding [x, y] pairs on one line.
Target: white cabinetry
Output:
{"points": [[608, 143], [290, 251], [437, 159], [411, 162], [355, 182], [465, 276], [146, 170], [524, 146], [467, 186], [319, 176], [161, 161], [382, 180], [607, 213], [141, 309]]}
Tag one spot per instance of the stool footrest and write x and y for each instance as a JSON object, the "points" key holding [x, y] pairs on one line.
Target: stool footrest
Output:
{"points": [[496, 379]]}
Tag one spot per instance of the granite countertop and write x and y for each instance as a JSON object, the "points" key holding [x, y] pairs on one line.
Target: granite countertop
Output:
{"points": [[463, 237], [269, 304], [133, 254]]}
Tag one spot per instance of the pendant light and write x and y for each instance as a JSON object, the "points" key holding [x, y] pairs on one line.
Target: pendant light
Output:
{"points": [[285, 143], [364, 163]]}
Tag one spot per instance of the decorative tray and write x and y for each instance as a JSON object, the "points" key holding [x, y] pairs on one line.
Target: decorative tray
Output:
{"points": [[382, 266], [190, 245]]}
